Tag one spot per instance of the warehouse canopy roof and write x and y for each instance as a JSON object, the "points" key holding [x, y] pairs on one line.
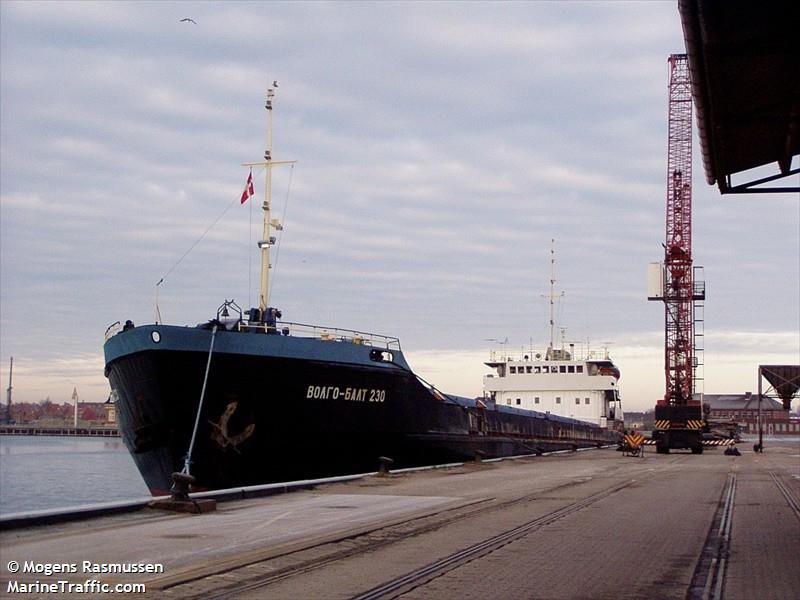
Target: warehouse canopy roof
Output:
{"points": [[745, 66], [740, 402]]}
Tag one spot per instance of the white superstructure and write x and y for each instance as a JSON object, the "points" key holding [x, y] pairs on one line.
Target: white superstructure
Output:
{"points": [[581, 384]]}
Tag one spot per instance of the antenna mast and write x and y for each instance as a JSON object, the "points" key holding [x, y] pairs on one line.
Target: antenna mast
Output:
{"points": [[267, 239], [552, 295]]}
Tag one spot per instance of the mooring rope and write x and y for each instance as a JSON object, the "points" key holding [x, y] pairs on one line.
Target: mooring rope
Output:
{"points": [[200, 406]]}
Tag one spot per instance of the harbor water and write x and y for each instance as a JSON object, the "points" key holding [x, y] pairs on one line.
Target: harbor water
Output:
{"points": [[49, 472]]}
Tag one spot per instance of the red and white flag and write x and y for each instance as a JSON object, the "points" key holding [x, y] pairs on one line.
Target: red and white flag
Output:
{"points": [[248, 188]]}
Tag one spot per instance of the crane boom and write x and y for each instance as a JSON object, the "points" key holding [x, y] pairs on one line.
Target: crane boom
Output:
{"points": [[679, 417], [678, 285]]}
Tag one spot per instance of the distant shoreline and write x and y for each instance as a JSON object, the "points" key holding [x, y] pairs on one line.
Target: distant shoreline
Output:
{"points": [[63, 430]]}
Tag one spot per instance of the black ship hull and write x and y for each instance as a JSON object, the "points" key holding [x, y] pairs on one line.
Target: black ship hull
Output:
{"points": [[280, 408]]}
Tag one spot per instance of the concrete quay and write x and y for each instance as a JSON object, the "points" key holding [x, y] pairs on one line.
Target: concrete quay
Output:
{"points": [[585, 525]]}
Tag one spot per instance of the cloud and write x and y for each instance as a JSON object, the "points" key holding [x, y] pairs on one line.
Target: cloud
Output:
{"points": [[441, 147]]}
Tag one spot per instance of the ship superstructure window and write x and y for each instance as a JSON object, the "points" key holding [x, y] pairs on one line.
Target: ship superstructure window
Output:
{"points": [[587, 400], [579, 368], [558, 399], [563, 368], [536, 400], [513, 369], [529, 369], [508, 401], [545, 369], [519, 401], [537, 369], [571, 369], [577, 400]]}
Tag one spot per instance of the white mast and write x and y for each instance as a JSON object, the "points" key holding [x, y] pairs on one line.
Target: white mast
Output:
{"points": [[267, 240], [552, 297], [8, 392], [75, 414]]}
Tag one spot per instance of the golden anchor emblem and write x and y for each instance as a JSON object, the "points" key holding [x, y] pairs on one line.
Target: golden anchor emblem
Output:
{"points": [[222, 436]]}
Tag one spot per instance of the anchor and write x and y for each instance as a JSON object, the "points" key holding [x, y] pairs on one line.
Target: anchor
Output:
{"points": [[221, 435]]}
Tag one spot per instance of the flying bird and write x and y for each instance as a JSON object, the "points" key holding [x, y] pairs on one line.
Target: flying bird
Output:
{"points": [[187, 19], [275, 83]]}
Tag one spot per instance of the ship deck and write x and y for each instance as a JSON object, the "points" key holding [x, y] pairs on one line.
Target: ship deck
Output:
{"points": [[592, 524]]}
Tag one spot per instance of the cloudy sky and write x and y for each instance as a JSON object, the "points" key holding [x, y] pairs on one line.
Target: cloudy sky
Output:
{"points": [[440, 148]]}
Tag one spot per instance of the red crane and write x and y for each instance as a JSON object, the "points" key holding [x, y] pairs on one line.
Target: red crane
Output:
{"points": [[679, 417]]}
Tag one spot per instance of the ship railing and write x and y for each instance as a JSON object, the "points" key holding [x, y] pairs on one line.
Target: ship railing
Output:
{"points": [[332, 334], [576, 352], [112, 330]]}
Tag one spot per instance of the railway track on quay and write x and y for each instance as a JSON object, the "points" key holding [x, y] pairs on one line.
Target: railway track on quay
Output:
{"points": [[586, 526], [260, 574], [254, 576], [570, 505]]}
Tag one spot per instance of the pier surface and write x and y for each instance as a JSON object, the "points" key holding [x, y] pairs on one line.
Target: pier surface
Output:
{"points": [[586, 525]]}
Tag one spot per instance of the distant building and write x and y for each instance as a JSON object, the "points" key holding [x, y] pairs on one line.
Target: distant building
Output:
{"points": [[743, 409], [111, 412], [639, 420], [97, 413]]}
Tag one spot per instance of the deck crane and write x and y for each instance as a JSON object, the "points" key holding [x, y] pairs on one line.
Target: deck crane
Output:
{"points": [[679, 419]]}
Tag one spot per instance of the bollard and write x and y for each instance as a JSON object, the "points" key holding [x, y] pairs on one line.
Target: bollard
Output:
{"points": [[386, 464], [179, 501], [180, 487]]}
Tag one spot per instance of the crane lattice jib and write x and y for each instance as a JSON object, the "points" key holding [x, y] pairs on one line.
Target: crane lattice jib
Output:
{"points": [[679, 313]]}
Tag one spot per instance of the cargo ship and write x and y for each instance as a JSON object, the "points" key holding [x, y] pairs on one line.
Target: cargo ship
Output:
{"points": [[248, 398], [567, 379]]}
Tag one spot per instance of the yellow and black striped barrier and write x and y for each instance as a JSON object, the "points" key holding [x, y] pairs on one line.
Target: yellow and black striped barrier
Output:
{"points": [[690, 424], [728, 442], [632, 444]]}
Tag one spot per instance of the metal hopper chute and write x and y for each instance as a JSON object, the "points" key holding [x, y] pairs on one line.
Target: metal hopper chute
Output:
{"points": [[784, 381]]}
